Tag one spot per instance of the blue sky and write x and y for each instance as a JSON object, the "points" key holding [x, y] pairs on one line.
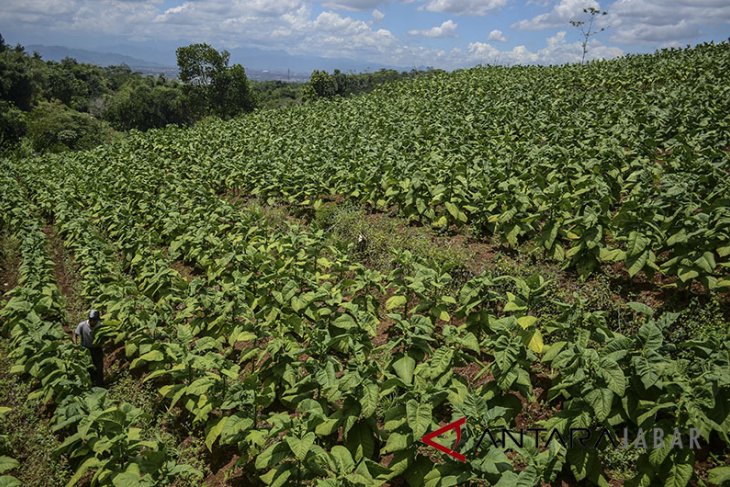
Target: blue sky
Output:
{"points": [[441, 33]]}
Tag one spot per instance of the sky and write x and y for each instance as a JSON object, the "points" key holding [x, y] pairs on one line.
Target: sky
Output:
{"points": [[445, 34]]}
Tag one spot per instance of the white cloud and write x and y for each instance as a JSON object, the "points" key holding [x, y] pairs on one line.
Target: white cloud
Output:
{"points": [[651, 22], [557, 39], [284, 24], [497, 35], [559, 16], [446, 29], [463, 7], [299, 27], [667, 22], [556, 51], [334, 35], [353, 4]]}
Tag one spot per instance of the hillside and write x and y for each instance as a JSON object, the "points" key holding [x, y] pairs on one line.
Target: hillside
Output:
{"points": [[299, 296]]}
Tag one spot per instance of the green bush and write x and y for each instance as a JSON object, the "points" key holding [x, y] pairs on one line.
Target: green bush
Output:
{"points": [[12, 125], [53, 127], [141, 106], [16, 78]]}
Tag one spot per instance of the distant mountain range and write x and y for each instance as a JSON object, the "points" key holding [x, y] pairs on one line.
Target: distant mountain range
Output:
{"points": [[277, 60], [260, 64], [56, 53]]}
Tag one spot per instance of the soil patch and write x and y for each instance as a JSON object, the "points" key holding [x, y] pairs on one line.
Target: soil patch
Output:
{"points": [[9, 265], [66, 278]]}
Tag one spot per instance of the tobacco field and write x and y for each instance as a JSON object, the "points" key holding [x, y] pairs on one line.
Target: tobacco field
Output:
{"points": [[261, 344]]}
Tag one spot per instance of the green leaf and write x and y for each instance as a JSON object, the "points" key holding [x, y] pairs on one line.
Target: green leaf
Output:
{"points": [[585, 465], [439, 363], [245, 336], [636, 263], [92, 462], [677, 238], [360, 441], [236, 425], [396, 442], [640, 308], [722, 284], [637, 254], [368, 400], [419, 417], [601, 401], [553, 351], [706, 262], [613, 255], [404, 368], [130, 479], [152, 356], [719, 475], [345, 322], [271, 456], [614, 376], [277, 477], [534, 342], [327, 427], [395, 302], [440, 222], [651, 336], [215, 432], [452, 209], [301, 446], [636, 244], [526, 321], [7, 464], [343, 459], [679, 474], [298, 304], [514, 303], [687, 273], [8, 481]]}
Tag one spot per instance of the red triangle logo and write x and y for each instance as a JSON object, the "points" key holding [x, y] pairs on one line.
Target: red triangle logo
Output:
{"points": [[456, 425]]}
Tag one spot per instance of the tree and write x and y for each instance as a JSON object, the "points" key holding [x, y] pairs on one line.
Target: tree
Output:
{"points": [[117, 76], [62, 84], [213, 87], [12, 125], [342, 82], [323, 84], [200, 63], [232, 94], [142, 104], [586, 27], [16, 81]]}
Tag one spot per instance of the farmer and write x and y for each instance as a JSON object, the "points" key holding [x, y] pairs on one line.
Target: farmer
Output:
{"points": [[85, 330]]}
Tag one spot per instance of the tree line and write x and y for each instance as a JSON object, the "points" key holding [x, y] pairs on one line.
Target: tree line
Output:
{"points": [[55, 106], [49, 106]]}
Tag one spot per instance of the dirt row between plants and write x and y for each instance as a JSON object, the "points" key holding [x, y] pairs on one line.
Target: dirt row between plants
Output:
{"points": [[9, 265], [66, 279]]}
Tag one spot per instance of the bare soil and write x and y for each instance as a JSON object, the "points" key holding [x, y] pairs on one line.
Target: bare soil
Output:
{"points": [[9, 264], [66, 278]]}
